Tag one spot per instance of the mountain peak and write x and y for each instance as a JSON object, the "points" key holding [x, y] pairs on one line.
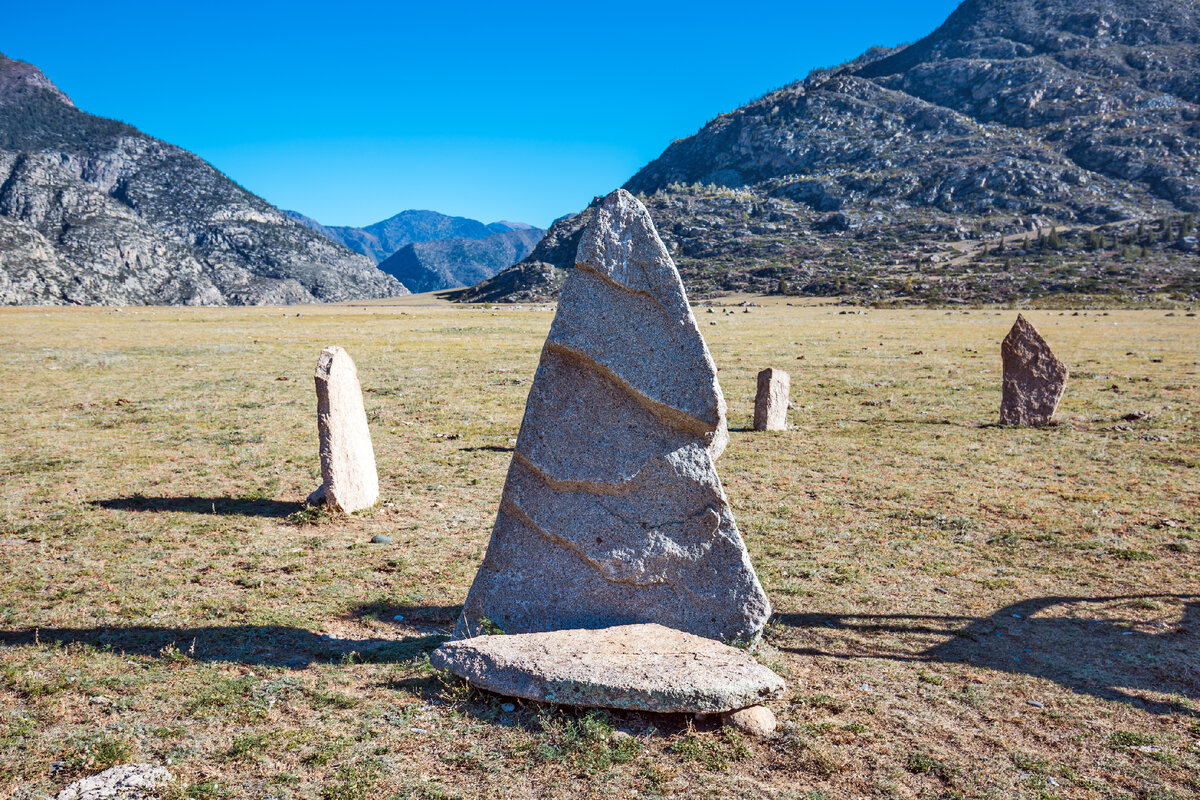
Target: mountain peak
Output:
{"points": [[1011, 118], [19, 79]]}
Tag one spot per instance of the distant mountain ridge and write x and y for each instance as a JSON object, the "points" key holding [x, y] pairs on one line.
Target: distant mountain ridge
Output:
{"points": [[428, 251], [455, 263], [1014, 116], [382, 239], [92, 211]]}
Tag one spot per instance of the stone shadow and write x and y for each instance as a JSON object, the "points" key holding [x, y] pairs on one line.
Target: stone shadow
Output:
{"points": [[220, 506], [1111, 659], [432, 615], [266, 645]]}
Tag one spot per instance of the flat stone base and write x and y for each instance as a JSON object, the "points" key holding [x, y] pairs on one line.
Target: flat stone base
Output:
{"points": [[631, 667]]}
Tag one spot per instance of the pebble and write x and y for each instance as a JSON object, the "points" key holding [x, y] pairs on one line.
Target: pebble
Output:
{"points": [[380, 539], [1035, 704]]}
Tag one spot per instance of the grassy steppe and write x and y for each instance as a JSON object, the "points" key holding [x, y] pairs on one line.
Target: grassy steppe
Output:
{"points": [[963, 610]]}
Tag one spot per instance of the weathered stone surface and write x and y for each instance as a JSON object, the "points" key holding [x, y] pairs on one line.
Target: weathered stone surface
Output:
{"points": [[612, 511], [1034, 380], [635, 667], [349, 481], [753, 721], [771, 400], [126, 782]]}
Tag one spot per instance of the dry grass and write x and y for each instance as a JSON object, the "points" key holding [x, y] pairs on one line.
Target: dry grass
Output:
{"points": [[963, 610]]}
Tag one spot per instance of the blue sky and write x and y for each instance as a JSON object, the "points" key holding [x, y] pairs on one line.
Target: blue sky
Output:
{"points": [[351, 112]]}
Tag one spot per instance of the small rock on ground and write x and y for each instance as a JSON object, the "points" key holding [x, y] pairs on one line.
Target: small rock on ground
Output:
{"points": [[756, 721], [126, 782]]}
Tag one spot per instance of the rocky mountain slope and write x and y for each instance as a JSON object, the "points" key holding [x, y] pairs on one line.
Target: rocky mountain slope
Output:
{"points": [[453, 263], [94, 212], [895, 176], [381, 240]]}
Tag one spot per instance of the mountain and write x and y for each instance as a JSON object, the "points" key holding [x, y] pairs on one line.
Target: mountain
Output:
{"points": [[453, 263], [1020, 150], [382, 239], [94, 212]]}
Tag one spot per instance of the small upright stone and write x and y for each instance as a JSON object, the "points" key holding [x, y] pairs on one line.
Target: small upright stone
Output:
{"points": [[771, 401], [612, 511], [1034, 380], [349, 481]]}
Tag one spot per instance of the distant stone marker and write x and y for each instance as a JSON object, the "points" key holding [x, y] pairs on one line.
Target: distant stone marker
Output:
{"points": [[633, 667], [771, 400], [612, 511], [1034, 380], [349, 481]]}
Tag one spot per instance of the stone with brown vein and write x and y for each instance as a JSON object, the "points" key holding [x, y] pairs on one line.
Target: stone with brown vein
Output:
{"points": [[612, 512]]}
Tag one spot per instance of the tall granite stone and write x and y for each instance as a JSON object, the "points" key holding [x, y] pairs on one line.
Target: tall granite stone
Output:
{"points": [[348, 479], [771, 400], [612, 511], [1034, 380]]}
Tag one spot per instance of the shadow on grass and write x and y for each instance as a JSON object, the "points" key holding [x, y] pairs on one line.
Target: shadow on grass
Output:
{"points": [[1111, 659], [486, 448], [536, 716], [267, 645], [220, 506], [438, 616]]}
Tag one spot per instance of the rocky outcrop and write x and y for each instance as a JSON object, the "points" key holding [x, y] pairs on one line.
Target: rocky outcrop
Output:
{"points": [[612, 511], [526, 282], [94, 212], [1014, 116]]}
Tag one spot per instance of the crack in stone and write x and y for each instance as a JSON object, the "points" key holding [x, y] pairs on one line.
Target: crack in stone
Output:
{"points": [[518, 513]]}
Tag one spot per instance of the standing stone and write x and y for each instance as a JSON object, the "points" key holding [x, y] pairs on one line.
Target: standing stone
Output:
{"points": [[1034, 380], [349, 481], [771, 401], [612, 511]]}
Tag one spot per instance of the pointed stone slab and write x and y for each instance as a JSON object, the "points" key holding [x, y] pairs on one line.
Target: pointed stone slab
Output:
{"points": [[771, 400], [1034, 380], [632, 667], [612, 511], [349, 481]]}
